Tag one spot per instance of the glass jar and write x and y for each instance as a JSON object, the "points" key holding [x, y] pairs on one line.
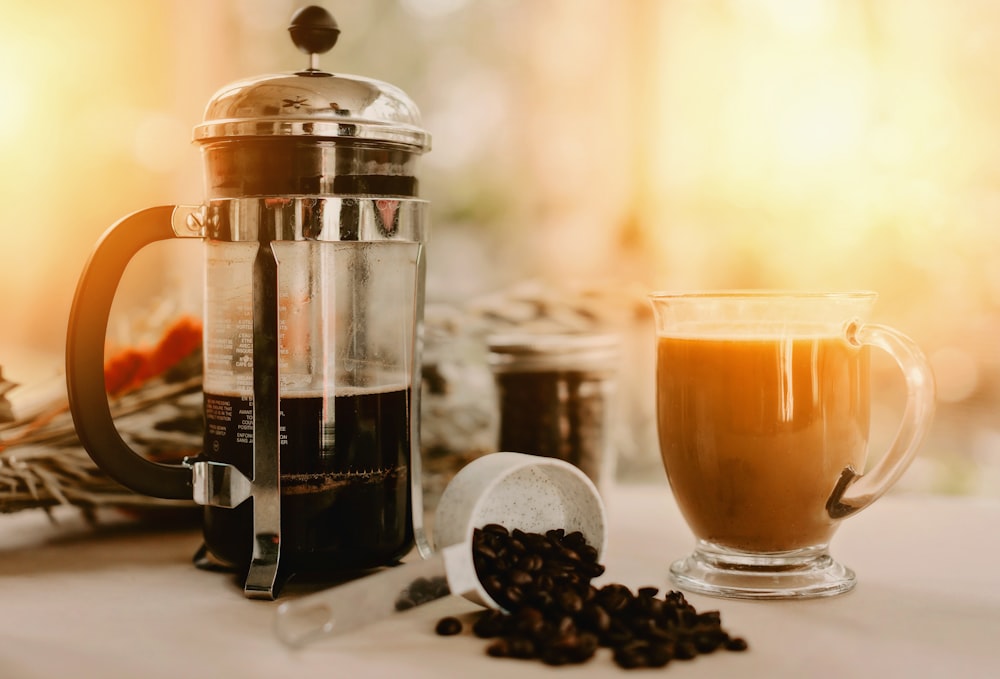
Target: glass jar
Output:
{"points": [[554, 395]]}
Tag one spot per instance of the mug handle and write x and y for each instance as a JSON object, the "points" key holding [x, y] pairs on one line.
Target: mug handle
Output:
{"points": [[86, 337], [855, 491]]}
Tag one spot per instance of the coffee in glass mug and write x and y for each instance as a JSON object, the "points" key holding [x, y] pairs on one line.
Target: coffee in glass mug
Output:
{"points": [[763, 409]]}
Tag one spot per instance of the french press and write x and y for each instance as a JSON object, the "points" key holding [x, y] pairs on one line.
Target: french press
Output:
{"points": [[313, 301]]}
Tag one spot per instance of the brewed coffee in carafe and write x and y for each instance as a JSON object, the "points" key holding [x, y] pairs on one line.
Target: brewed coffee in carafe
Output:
{"points": [[345, 330], [314, 274]]}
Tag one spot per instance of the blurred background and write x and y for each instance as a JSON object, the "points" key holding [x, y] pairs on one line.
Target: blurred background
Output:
{"points": [[583, 149]]}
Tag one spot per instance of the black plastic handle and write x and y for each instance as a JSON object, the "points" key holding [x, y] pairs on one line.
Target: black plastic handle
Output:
{"points": [[88, 325]]}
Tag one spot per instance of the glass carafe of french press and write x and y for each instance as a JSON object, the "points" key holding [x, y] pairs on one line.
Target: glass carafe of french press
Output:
{"points": [[314, 275]]}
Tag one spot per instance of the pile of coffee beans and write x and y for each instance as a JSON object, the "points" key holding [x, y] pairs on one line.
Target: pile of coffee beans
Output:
{"points": [[554, 614]]}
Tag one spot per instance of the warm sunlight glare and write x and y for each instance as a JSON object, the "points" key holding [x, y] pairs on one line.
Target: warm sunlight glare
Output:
{"points": [[14, 105], [796, 134]]}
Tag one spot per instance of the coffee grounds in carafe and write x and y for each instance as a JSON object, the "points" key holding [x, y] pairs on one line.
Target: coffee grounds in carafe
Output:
{"points": [[345, 480]]}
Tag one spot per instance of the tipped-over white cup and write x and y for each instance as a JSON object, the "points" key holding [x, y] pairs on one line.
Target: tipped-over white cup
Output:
{"points": [[516, 490]]}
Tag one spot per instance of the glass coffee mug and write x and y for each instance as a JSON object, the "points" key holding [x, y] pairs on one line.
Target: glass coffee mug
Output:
{"points": [[763, 410]]}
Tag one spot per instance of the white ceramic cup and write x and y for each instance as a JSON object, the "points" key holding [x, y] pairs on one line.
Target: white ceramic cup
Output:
{"points": [[516, 490]]}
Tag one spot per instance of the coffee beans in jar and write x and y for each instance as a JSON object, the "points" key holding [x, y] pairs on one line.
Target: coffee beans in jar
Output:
{"points": [[554, 395], [553, 613]]}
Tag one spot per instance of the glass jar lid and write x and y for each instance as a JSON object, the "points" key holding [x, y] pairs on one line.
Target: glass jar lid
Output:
{"points": [[556, 351]]}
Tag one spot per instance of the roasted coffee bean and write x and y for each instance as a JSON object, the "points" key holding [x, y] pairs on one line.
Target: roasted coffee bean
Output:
{"points": [[499, 648], [588, 644], [493, 584], [618, 633], [570, 601], [522, 647], [659, 655], [710, 618], [652, 608], [569, 648], [736, 644], [706, 642], [554, 657], [554, 614], [543, 599], [512, 596], [658, 633], [588, 553], [596, 618], [545, 582], [485, 551], [421, 591], [614, 597], [630, 656], [448, 626], [502, 564], [531, 563], [570, 558], [489, 624], [685, 650], [519, 577], [566, 625], [644, 628], [530, 622]]}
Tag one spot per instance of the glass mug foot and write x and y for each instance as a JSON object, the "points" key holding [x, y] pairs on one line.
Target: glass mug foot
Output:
{"points": [[801, 574]]}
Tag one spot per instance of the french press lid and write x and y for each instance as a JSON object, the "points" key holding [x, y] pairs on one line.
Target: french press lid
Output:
{"points": [[312, 131]]}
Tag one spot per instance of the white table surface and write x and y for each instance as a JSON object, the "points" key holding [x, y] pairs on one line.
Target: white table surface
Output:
{"points": [[125, 601]]}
